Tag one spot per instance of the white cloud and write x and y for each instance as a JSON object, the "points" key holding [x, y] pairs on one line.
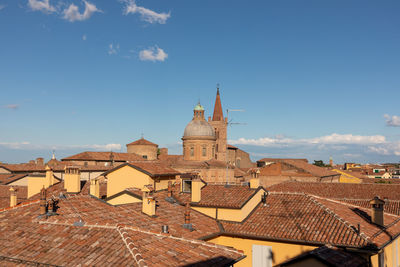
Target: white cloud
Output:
{"points": [[14, 145], [113, 49], [72, 12], [333, 139], [393, 121], [2, 7], [153, 54], [12, 106], [43, 6], [145, 13], [84, 37], [29, 146]]}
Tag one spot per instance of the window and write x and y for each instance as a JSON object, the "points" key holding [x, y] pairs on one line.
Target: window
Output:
{"points": [[217, 147], [187, 186], [213, 151], [191, 151], [262, 256], [238, 163], [85, 164], [144, 156], [204, 151]]}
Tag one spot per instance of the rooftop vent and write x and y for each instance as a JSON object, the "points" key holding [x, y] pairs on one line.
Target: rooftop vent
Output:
{"points": [[164, 229]]}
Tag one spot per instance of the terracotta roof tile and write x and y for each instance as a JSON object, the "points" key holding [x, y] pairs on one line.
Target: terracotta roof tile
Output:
{"points": [[142, 141], [104, 156], [303, 218], [234, 196], [340, 190], [10, 177]]}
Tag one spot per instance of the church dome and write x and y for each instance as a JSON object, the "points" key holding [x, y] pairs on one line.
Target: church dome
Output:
{"points": [[199, 128]]}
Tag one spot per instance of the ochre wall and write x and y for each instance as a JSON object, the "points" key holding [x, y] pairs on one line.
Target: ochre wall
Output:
{"points": [[149, 150], [23, 182], [35, 184], [391, 254], [126, 177], [163, 183], [123, 199], [281, 251]]}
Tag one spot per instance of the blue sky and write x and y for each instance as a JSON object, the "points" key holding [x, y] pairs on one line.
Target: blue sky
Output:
{"points": [[315, 78]]}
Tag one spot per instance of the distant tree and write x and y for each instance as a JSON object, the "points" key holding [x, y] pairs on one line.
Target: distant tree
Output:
{"points": [[320, 163]]}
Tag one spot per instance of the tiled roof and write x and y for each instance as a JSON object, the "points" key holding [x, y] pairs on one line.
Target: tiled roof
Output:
{"points": [[22, 192], [152, 168], [104, 156], [313, 220], [112, 236], [380, 181], [281, 159], [142, 141], [231, 146], [55, 166], [340, 190], [10, 177], [310, 168], [93, 211], [212, 195], [391, 206]]}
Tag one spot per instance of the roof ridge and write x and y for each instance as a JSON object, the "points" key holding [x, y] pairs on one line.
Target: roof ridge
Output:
{"points": [[23, 204], [353, 205], [193, 241], [340, 219], [131, 247]]}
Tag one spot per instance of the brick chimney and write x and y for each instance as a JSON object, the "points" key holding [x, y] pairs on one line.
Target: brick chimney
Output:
{"points": [[377, 210], [43, 203], [196, 190], [187, 224], [148, 202], [13, 197], [40, 161], [72, 179], [169, 189], [95, 188]]}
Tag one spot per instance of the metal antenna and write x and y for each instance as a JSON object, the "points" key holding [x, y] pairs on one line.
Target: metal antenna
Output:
{"points": [[230, 124]]}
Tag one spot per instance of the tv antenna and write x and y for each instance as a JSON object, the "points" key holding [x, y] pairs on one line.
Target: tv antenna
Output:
{"points": [[230, 123]]}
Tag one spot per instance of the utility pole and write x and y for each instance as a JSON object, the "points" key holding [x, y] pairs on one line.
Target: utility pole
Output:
{"points": [[228, 123]]}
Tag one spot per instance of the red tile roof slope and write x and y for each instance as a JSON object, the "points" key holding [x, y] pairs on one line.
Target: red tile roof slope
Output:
{"points": [[281, 159], [10, 177], [93, 211], [59, 166], [310, 168], [22, 192], [142, 141], [102, 240], [104, 156], [307, 219], [391, 206], [234, 196], [340, 190]]}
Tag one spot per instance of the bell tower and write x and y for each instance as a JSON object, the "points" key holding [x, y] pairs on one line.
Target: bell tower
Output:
{"points": [[219, 123]]}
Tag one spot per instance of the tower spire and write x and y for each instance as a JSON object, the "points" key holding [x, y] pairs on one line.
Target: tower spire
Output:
{"points": [[218, 114]]}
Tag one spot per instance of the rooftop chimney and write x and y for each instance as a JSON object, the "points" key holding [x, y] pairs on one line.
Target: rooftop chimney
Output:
{"points": [[13, 197], [377, 210], [72, 179], [148, 202], [187, 223], [43, 202], [169, 189], [95, 188], [254, 182], [49, 180], [40, 161], [196, 190]]}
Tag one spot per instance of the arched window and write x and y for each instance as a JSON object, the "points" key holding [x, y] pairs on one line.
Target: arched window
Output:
{"points": [[238, 163], [192, 151], [204, 151]]}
